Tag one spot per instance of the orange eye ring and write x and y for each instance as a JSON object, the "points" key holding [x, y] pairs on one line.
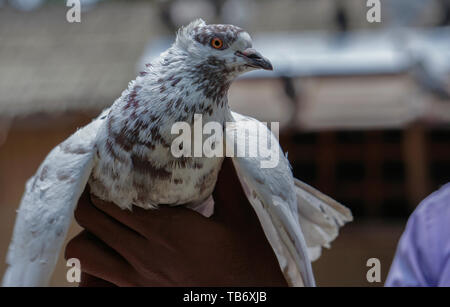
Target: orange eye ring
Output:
{"points": [[216, 43]]}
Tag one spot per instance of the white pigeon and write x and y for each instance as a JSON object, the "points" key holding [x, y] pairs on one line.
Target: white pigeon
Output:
{"points": [[125, 156]]}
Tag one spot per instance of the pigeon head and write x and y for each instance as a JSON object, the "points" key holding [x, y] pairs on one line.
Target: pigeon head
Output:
{"points": [[222, 48], [194, 74]]}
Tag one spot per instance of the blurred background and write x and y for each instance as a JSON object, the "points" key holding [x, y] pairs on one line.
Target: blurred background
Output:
{"points": [[364, 108]]}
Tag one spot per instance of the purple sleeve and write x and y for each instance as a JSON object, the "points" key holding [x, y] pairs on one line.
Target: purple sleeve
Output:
{"points": [[423, 253]]}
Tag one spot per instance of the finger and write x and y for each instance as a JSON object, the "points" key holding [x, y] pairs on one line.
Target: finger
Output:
{"points": [[108, 230], [132, 219], [231, 204], [85, 196], [145, 222], [92, 281], [98, 260]]}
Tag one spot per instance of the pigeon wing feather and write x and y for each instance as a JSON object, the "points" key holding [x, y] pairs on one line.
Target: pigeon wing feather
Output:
{"points": [[271, 193], [47, 206], [320, 217], [297, 219]]}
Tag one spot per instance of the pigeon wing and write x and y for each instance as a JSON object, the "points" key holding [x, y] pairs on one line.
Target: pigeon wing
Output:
{"points": [[47, 206], [297, 219], [271, 192], [320, 217]]}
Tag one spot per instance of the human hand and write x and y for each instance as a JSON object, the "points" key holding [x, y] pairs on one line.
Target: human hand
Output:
{"points": [[175, 246]]}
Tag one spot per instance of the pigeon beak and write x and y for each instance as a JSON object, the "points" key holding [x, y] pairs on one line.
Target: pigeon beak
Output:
{"points": [[255, 59]]}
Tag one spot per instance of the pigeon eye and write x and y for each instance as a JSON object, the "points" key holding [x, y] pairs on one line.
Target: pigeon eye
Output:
{"points": [[216, 43]]}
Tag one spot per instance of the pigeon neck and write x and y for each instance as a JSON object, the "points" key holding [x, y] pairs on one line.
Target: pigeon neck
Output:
{"points": [[188, 87]]}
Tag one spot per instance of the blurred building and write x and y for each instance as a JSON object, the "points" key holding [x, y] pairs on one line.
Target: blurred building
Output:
{"points": [[377, 141]]}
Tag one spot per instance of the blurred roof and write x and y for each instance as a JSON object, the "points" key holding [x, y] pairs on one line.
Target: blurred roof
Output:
{"points": [[317, 53], [363, 79], [48, 64]]}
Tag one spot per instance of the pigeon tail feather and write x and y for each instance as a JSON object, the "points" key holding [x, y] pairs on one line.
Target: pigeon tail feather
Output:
{"points": [[320, 217]]}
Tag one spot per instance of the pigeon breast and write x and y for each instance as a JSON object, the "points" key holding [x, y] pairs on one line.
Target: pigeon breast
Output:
{"points": [[134, 164]]}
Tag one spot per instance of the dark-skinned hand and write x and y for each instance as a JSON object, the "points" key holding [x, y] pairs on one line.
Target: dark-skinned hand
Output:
{"points": [[175, 246]]}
